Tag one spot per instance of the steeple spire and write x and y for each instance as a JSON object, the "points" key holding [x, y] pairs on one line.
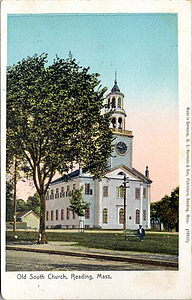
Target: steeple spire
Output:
{"points": [[115, 77], [115, 87]]}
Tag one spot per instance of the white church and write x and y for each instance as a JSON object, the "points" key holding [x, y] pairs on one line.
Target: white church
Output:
{"points": [[106, 195]]}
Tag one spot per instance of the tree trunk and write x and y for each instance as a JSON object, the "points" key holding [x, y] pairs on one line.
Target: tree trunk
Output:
{"points": [[42, 239], [81, 223]]}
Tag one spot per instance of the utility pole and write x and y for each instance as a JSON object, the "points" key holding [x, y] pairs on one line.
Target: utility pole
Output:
{"points": [[15, 193], [125, 180], [124, 194]]}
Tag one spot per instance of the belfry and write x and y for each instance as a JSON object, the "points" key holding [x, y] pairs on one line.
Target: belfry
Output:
{"points": [[122, 146], [115, 101]]}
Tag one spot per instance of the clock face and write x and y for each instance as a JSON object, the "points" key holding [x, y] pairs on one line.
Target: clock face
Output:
{"points": [[121, 148]]}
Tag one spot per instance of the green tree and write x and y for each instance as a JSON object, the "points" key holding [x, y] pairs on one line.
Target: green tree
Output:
{"points": [[9, 202], [21, 205], [54, 119], [167, 209], [78, 205], [33, 203]]}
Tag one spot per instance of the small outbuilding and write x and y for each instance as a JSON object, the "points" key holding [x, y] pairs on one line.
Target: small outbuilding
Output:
{"points": [[28, 217]]}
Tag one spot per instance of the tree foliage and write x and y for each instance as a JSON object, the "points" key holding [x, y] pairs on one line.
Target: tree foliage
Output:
{"points": [[78, 205], [54, 120], [21, 205], [33, 203], [167, 209]]}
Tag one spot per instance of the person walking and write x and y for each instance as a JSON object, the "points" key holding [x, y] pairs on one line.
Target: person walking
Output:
{"points": [[141, 233]]}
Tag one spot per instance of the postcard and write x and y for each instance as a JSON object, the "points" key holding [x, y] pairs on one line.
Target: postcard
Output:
{"points": [[96, 149]]}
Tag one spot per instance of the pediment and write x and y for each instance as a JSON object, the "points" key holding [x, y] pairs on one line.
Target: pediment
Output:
{"points": [[132, 174]]}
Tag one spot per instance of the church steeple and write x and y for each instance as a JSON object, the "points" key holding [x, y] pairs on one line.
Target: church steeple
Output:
{"points": [[115, 87], [115, 101]]}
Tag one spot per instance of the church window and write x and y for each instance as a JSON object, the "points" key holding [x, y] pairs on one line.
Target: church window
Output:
{"points": [[62, 194], [74, 189], [62, 214], [47, 196], [113, 121], [137, 193], [105, 191], [47, 215], [57, 193], [120, 123], [119, 103], [121, 216], [57, 214], [68, 192], [113, 105], [52, 215], [137, 216], [144, 215], [67, 213], [88, 190], [105, 215], [52, 194], [87, 213], [144, 192], [74, 215], [120, 191]]}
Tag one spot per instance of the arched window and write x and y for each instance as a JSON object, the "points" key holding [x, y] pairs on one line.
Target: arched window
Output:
{"points": [[137, 216], [119, 103], [57, 193], [62, 214], [113, 121], [57, 214], [47, 196], [144, 215], [113, 103], [121, 216], [87, 213], [62, 194], [52, 194], [120, 191], [120, 123], [67, 213], [105, 215]]}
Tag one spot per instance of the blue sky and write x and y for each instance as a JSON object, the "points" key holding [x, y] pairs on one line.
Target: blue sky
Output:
{"points": [[142, 48]]}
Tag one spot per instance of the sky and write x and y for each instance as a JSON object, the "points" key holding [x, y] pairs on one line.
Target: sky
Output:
{"points": [[143, 50]]}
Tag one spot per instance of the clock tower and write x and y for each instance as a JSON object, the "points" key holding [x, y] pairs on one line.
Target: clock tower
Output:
{"points": [[122, 145]]}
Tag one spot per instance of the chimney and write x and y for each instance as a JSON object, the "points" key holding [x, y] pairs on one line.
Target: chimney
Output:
{"points": [[80, 171], [147, 172]]}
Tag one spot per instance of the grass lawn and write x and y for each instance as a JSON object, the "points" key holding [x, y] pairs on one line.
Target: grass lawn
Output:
{"points": [[153, 242]]}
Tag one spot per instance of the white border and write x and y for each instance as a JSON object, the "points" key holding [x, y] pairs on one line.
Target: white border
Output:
{"points": [[125, 285]]}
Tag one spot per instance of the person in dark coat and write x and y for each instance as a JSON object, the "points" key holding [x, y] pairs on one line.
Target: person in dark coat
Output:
{"points": [[141, 233]]}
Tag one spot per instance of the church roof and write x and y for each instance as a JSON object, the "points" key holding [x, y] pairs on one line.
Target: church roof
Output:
{"points": [[115, 88], [76, 173], [68, 176]]}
